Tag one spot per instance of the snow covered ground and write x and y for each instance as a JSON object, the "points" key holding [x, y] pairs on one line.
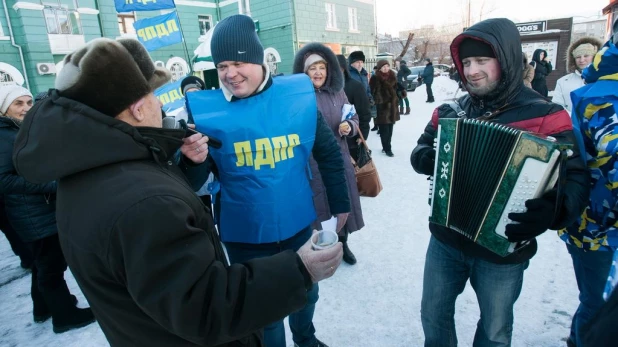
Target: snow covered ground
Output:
{"points": [[375, 303]]}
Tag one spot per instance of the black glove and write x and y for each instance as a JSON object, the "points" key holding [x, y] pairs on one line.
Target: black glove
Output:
{"points": [[428, 161], [535, 221]]}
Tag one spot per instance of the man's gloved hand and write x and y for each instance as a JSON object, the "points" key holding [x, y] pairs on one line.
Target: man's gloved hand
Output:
{"points": [[535, 221], [321, 264], [428, 161]]}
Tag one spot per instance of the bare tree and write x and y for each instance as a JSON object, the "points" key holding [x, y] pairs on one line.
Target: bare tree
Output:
{"points": [[405, 47]]}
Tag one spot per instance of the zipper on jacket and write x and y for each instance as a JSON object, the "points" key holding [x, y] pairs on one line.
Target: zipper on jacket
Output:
{"points": [[47, 196]]}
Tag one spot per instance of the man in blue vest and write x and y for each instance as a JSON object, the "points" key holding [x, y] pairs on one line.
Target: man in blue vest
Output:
{"points": [[269, 128]]}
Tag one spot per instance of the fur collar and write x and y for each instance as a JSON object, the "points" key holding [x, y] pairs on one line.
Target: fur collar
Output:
{"points": [[334, 81]]}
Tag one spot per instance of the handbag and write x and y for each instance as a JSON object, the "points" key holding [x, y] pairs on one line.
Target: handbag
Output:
{"points": [[367, 178]]}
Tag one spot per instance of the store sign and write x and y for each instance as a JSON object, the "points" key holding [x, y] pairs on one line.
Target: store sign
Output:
{"points": [[531, 27]]}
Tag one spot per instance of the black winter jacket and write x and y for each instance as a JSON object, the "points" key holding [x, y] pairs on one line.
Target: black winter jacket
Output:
{"points": [[355, 91], [541, 70], [142, 246], [403, 73], [30, 207], [505, 106]]}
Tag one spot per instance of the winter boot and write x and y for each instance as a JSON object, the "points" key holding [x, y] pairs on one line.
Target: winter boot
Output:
{"points": [[400, 109], [389, 153], [65, 315], [348, 256], [318, 343], [407, 111], [40, 311]]}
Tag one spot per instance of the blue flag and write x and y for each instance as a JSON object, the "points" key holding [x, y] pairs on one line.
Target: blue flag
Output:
{"points": [[143, 5], [159, 31], [170, 96]]}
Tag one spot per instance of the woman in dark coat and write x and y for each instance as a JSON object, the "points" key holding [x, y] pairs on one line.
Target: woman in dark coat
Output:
{"points": [[384, 89], [31, 211], [320, 63], [355, 91], [542, 68]]}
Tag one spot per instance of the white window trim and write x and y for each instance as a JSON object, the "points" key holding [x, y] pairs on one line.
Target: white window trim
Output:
{"points": [[177, 60], [242, 10], [212, 22], [353, 19], [333, 11]]}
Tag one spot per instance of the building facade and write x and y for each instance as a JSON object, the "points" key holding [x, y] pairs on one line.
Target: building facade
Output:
{"points": [[596, 28], [35, 35]]}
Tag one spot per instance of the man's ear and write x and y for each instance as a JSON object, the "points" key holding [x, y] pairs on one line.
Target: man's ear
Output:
{"points": [[137, 110]]}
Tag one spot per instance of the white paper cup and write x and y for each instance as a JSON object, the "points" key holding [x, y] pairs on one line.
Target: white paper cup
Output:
{"points": [[324, 239]]}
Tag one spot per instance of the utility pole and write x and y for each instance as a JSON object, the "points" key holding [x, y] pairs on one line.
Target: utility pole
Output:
{"points": [[469, 11]]}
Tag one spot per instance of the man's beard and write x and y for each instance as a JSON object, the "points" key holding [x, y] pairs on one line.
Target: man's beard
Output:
{"points": [[484, 90]]}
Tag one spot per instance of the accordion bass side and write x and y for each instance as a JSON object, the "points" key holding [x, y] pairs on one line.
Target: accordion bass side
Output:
{"points": [[483, 172]]}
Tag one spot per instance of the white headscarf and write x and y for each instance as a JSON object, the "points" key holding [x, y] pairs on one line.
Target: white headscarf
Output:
{"points": [[8, 94]]}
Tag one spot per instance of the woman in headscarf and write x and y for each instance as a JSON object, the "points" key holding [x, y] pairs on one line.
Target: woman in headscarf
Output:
{"points": [[321, 65]]}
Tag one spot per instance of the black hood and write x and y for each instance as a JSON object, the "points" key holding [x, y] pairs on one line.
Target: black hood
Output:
{"points": [[334, 81], [536, 56], [502, 35], [61, 137]]}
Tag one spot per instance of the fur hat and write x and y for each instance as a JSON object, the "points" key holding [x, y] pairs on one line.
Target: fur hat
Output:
{"points": [[356, 56], [191, 82], [235, 39], [8, 94], [381, 63], [109, 75], [584, 41]]}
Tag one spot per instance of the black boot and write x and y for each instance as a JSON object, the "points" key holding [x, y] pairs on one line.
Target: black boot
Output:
{"points": [[375, 127], [407, 111], [389, 153], [348, 256], [65, 315], [400, 109]]}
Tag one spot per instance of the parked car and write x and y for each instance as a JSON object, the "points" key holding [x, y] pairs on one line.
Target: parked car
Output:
{"points": [[412, 80], [440, 70]]}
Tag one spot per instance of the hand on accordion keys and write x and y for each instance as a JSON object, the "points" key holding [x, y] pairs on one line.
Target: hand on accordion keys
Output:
{"points": [[536, 220]]}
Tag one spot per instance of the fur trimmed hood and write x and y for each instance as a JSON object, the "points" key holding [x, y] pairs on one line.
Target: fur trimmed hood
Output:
{"points": [[334, 81], [570, 60]]}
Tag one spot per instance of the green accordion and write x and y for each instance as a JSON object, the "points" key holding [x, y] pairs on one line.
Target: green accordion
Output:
{"points": [[483, 172]]}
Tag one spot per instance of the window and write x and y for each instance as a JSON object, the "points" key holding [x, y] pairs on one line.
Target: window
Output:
{"points": [[62, 21], [331, 17], [6, 79], [579, 28], [353, 18], [125, 24], [205, 24], [178, 67]]}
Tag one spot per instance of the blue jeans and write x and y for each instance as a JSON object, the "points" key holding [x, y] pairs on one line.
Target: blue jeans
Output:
{"points": [[591, 271], [301, 322], [497, 287]]}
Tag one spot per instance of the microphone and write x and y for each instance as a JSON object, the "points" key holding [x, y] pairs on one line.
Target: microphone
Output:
{"points": [[171, 123]]}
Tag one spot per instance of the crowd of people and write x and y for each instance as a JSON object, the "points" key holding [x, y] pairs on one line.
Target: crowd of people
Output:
{"points": [[228, 229]]}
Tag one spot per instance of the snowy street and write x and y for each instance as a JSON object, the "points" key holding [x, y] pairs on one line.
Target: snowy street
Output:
{"points": [[375, 303]]}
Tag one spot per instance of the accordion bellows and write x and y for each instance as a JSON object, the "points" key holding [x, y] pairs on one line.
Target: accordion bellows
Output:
{"points": [[486, 170]]}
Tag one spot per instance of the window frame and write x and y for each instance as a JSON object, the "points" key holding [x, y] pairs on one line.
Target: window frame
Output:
{"points": [[121, 20], [353, 19], [331, 14], [200, 19], [72, 25]]}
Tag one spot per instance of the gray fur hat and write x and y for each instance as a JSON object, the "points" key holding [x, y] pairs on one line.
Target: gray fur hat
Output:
{"points": [[109, 75]]}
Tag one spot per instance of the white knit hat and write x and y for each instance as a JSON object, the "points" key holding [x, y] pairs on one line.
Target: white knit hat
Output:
{"points": [[8, 94]]}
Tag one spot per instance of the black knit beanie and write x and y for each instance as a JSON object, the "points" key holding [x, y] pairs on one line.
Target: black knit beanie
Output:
{"points": [[475, 48], [235, 39]]}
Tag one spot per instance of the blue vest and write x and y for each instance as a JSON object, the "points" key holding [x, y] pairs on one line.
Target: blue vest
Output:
{"points": [[267, 141]]}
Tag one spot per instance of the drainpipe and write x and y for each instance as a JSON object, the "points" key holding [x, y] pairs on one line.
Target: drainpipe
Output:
{"points": [[98, 8], [21, 54], [218, 10], [294, 26]]}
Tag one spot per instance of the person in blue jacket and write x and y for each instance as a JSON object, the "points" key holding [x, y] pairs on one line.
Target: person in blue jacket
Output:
{"points": [[269, 128], [427, 77]]}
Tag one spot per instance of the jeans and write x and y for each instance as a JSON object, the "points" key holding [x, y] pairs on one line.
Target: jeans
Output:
{"points": [[497, 287], [429, 92], [301, 322], [386, 134], [591, 270]]}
